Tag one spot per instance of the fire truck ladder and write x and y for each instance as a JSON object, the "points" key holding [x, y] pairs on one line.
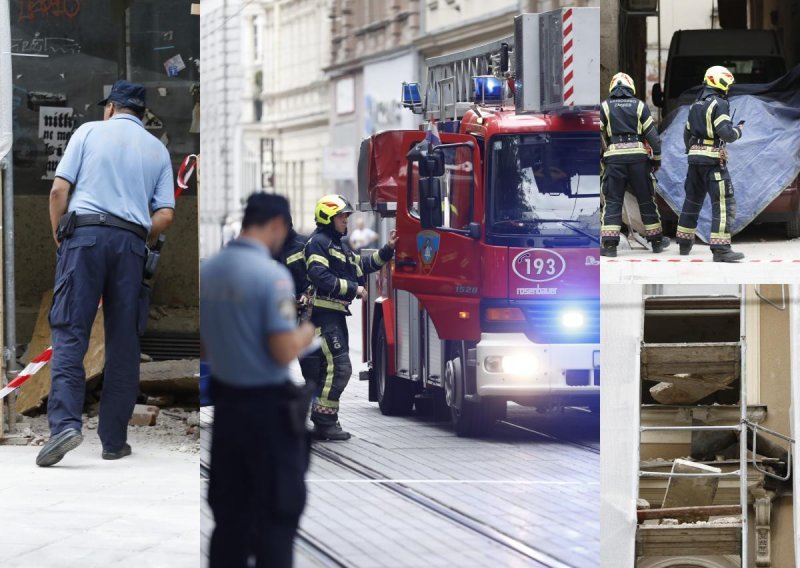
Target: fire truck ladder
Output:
{"points": [[448, 87], [705, 538]]}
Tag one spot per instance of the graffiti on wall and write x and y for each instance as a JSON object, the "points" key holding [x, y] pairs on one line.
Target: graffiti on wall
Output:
{"points": [[32, 10], [55, 129]]}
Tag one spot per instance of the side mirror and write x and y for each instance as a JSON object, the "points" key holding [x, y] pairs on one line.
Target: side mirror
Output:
{"points": [[474, 230], [658, 95], [430, 203], [432, 165]]}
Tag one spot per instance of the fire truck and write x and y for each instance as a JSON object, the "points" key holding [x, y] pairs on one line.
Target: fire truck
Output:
{"points": [[493, 295]]}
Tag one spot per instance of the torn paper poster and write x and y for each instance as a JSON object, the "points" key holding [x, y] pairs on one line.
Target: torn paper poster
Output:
{"points": [[151, 121], [174, 65], [55, 129]]}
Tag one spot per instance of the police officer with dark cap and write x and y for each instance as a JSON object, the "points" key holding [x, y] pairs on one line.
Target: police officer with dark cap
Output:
{"points": [[259, 447], [708, 128], [625, 124], [113, 190]]}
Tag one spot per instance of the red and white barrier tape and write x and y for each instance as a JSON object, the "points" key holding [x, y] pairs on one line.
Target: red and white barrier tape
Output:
{"points": [[753, 261], [568, 52], [30, 369], [37, 363], [185, 173]]}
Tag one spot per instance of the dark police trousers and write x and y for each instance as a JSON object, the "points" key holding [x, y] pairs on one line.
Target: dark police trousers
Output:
{"points": [[616, 178], [716, 182], [328, 370], [257, 492], [97, 262]]}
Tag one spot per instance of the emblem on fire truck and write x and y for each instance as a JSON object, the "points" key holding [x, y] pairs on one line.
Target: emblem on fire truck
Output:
{"points": [[428, 248], [539, 265]]}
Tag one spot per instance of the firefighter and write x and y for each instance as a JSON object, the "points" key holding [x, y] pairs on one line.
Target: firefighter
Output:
{"points": [[291, 256], [708, 128], [625, 125], [337, 278]]}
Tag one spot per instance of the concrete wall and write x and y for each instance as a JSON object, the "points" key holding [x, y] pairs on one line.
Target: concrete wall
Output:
{"points": [[775, 379], [178, 279]]}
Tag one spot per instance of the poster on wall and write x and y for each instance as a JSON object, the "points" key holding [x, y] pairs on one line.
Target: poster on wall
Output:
{"points": [[55, 129]]}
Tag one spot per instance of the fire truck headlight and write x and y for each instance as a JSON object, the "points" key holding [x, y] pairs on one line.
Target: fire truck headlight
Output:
{"points": [[573, 320], [519, 364]]}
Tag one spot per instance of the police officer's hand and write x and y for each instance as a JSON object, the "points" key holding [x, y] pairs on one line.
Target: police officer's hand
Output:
{"points": [[723, 154], [361, 292], [305, 332], [393, 239]]}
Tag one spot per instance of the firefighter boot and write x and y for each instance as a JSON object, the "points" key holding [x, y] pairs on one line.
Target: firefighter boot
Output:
{"points": [[661, 244], [686, 248], [330, 432], [727, 255], [608, 249]]}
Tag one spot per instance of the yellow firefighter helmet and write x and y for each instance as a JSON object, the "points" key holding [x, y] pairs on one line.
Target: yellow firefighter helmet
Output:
{"points": [[329, 206], [622, 80], [718, 77]]}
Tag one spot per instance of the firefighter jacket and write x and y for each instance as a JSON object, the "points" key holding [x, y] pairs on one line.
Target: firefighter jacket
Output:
{"points": [[291, 256], [625, 123], [708, 125], [336, 272]]}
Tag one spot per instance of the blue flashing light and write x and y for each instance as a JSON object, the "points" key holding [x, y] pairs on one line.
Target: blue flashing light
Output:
{"points": [[487, 90], [411, 97]]}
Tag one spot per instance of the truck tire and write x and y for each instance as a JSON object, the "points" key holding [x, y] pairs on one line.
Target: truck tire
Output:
{"points": [[793, 226], [395, 395], [469, 418]]}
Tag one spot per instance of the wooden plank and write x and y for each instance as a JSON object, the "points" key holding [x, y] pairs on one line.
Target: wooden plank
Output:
{"points": [[683, 513], [33, 393], [690, 358], [689, 540]]}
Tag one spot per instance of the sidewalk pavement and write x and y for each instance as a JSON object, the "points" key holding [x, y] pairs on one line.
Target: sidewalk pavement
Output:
{"points": [[142, 510]]}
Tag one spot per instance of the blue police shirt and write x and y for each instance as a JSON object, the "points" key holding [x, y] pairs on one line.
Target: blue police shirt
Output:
{"points": [[118, 167], [245, 296]]}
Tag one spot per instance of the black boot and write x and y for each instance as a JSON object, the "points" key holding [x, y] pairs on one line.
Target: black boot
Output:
{"points": [[685, 248], [727, 255], [330, 432], [609, 250], [661, 244]]}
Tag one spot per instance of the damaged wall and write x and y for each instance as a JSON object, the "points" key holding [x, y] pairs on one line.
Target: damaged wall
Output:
{"points": [[178, 278], [163, 54]]}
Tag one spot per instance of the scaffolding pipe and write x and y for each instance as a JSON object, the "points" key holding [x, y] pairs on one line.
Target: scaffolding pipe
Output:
{"points": [[7, 164]]}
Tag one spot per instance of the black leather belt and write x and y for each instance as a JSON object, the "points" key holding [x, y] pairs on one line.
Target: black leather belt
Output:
{"points": [[625, 138], [108, 220]]}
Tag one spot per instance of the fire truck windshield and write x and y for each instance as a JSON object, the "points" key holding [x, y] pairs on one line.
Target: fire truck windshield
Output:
{"points": [[544, 184]]}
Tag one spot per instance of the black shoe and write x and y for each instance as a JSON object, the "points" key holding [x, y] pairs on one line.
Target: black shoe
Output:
{"points": [[661, 244], [332, 432], [125, 451], [685, 248], [55, 449], [610, 251], [727, 256]]}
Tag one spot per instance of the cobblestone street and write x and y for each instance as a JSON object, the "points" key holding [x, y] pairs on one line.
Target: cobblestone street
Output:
{"points": [[406, 491]]}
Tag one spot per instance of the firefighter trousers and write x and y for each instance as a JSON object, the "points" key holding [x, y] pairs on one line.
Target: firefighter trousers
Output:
{"points": [[329, 369], [616, 179], [716, 182]]}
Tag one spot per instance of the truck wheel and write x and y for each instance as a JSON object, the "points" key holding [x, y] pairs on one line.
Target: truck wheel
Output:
{"points": [[395, 395], [793, 226], [469, 418]]}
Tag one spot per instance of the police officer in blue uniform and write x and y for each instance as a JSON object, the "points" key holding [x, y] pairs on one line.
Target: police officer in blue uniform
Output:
{"points": [[259, 447], [112, 191]]}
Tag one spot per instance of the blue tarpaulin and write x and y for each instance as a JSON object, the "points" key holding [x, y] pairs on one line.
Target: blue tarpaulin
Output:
{"points": [[762, 163]]}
